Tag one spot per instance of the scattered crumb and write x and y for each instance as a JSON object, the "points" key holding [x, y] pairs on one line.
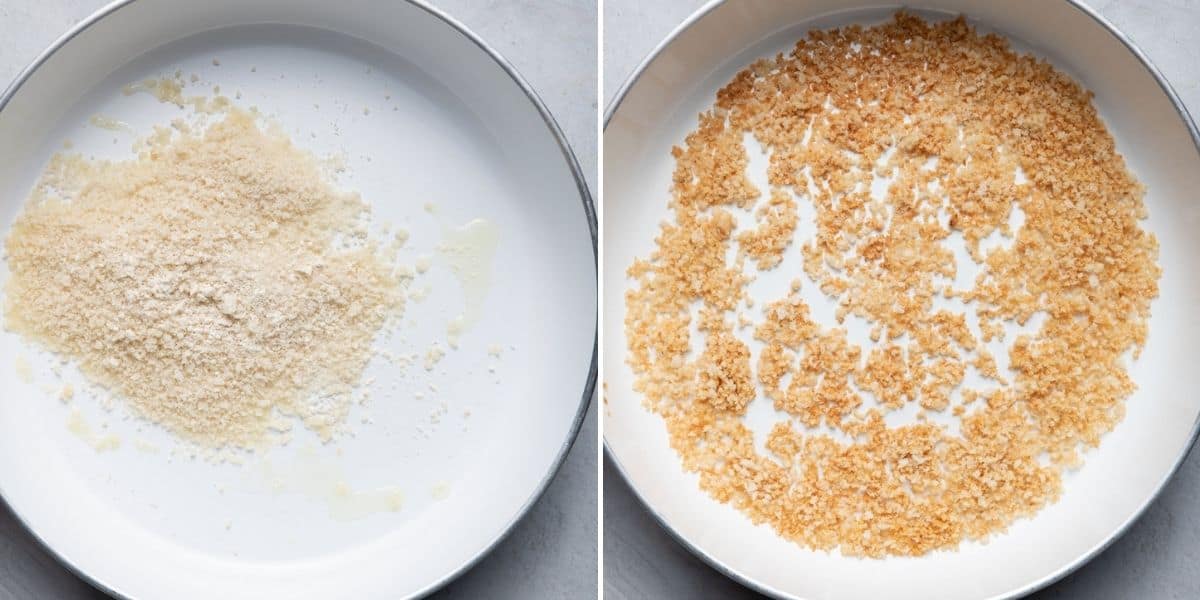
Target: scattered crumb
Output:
{"points": [[843, 107], [21, 366], [436, 414], [418, 294], [401, 237], [423, 263], [82, 430], [440, 490]]}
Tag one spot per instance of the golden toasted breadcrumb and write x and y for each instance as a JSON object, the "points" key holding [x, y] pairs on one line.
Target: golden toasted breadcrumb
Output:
{"points": [[962, 130]]}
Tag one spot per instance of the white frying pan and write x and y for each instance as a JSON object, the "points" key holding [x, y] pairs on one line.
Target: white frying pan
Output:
{"points": [[446, 122], [658, 106]]}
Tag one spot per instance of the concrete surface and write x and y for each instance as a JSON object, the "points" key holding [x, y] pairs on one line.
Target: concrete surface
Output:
{"points": [[552, 552], [1155, 560]]}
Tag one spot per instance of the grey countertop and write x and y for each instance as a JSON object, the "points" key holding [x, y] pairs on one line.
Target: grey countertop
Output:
{"points": [[1156, 560], [552, 552]]}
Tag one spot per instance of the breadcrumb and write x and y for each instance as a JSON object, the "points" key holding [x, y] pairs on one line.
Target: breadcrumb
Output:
{"points": [[203, 282], [947, 117]]}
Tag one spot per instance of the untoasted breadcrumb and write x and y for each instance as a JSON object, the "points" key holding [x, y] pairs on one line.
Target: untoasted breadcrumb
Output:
{"points": [[433, 356], [401, 237], [947, 117], [99, 442], [440, 490], [211, 282], [21, 366]]}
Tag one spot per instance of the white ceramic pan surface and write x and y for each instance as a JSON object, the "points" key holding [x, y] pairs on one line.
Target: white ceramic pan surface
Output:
{"points": [[658, 106], [422, 112]]}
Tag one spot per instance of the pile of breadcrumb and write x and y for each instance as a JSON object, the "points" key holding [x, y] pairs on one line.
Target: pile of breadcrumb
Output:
{"points": [[965, 131], [216, 282]]}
